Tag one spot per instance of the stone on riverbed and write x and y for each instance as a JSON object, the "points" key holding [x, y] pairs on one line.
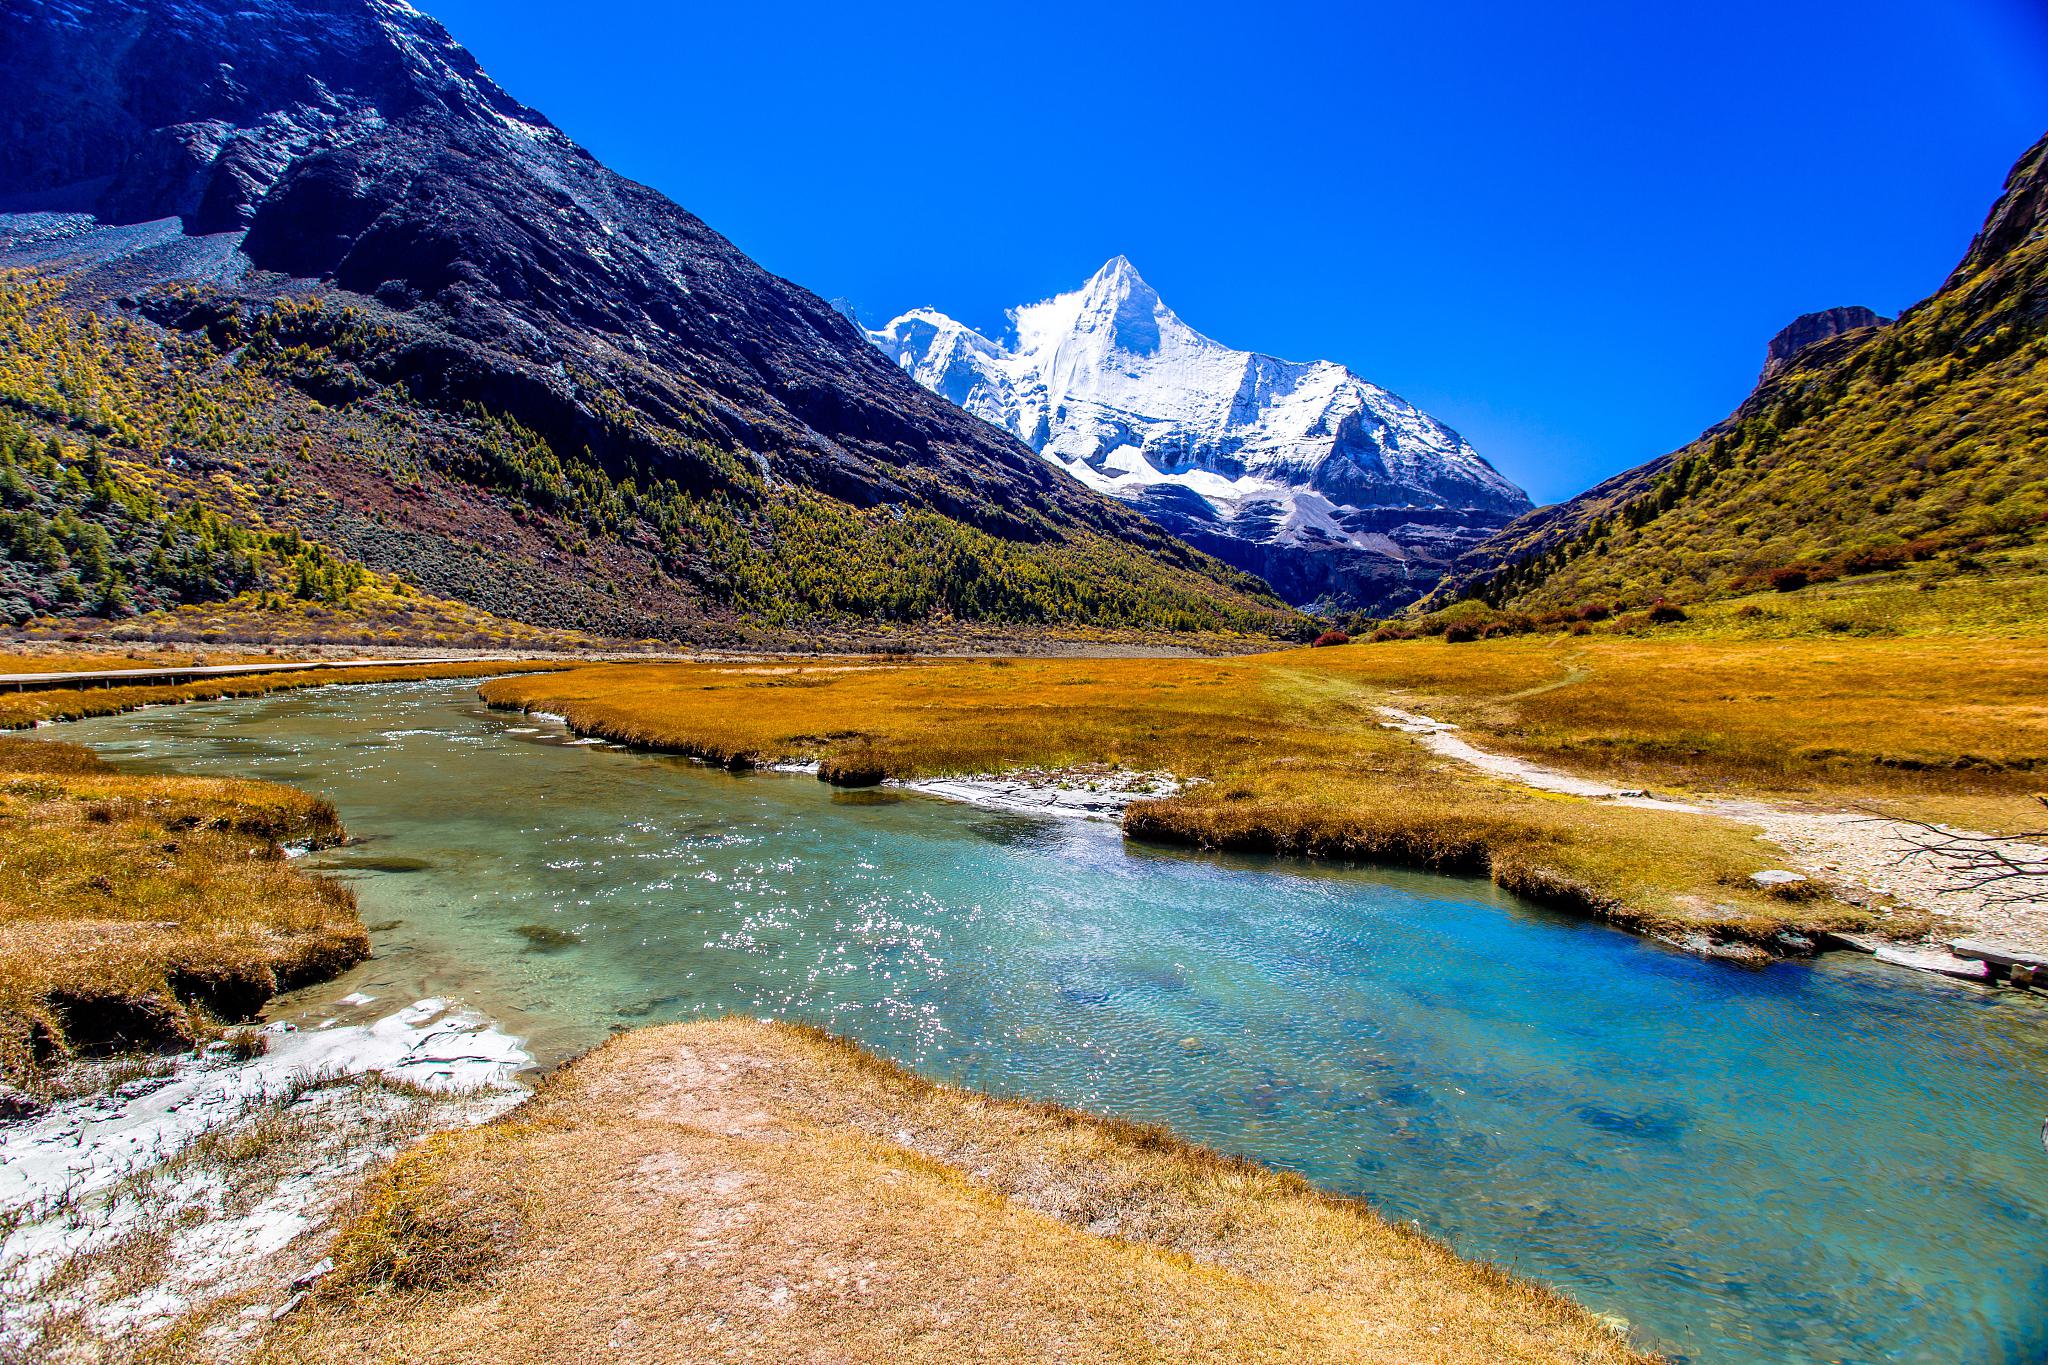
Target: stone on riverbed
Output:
{"points": [[1937, 960], [1998, 954], [1732, 951], [1920, 957]]}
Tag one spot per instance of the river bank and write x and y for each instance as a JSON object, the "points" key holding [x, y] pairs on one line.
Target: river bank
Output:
{"points": [[24, 710], [1271, 754], [1511, 1079], [138, 914], [141, 910], [1975, 887]]}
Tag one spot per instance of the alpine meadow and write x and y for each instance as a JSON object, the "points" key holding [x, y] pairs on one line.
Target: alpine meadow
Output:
{"points": [[574, 799]]}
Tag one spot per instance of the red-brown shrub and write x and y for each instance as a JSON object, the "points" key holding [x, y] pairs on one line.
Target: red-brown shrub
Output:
{"points": [[1791, 578], [1663, 613], [1876, 559]]}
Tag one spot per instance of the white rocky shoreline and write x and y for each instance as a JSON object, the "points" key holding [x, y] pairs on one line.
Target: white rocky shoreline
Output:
{"points": [[1083, 793], [1088, 791], [223, 1170]]}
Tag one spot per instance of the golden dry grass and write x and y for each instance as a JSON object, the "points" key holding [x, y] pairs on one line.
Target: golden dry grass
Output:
{"points": [[1291, 746], [73, 659], [20, 710], [140, 910], [1925, 722], [737, 1190]]}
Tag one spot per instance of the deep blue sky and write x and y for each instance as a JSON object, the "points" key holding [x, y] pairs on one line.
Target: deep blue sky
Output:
{"points": [[1566, 229]]}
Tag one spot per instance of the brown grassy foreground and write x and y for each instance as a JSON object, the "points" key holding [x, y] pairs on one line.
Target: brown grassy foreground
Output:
{"points": [[736, 1190], [1295, 758], [141, 910]]}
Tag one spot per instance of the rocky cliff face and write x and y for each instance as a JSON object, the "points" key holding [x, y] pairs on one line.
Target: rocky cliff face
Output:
{"points": [[267, 145], [1810, 329], [2020, 216], [1329, 487]]}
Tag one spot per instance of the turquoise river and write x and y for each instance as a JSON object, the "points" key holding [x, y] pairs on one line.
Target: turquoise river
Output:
{"points": [[1829, 1162]]}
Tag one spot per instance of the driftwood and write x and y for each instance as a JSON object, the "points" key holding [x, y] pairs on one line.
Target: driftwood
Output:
{"points": [[1991, 863]]}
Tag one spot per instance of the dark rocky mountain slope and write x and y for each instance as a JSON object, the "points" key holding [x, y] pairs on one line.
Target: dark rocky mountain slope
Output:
{"points": [[465, 350], [1866, 446]]}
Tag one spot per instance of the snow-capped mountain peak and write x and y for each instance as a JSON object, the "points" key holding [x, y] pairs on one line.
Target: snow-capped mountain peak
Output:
{"points": [[1329, 486], [1115, 310]]}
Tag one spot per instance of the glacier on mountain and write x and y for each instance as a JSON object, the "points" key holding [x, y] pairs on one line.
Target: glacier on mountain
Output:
{"points": [[1334, 490]]}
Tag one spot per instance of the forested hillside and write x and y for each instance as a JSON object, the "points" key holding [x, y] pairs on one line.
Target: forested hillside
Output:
{"points": [[143, 466]]}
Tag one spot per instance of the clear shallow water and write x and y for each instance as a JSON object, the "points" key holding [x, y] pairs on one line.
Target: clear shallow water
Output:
{"points": [[1831, 1163]]}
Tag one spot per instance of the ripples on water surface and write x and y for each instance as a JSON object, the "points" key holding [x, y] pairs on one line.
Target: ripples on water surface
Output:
{"points": [[1801, 1164]]}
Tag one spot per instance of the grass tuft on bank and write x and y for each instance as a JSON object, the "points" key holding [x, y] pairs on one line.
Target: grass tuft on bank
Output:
{"points": [[140, 910], [763, 1191]]}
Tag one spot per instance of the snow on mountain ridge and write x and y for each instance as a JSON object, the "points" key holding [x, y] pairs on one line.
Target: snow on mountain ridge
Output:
{"points": [[1110, 384]]}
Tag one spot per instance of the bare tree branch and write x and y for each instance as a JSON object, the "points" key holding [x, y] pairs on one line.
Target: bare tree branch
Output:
{"points": [[2015, 864]]}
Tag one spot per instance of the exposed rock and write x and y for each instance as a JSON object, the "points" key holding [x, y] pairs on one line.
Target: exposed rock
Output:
{"points": [[1810, 329], [1935, 960], [2019, 216], [321, 1268]]}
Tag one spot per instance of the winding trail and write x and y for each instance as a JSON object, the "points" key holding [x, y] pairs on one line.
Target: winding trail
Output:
{"points": [[1860, 854]]}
